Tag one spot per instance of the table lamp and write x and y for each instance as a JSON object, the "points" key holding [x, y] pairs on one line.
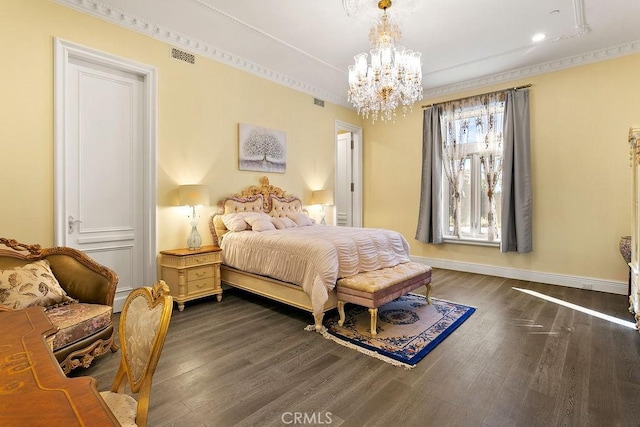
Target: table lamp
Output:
{"points": [[193, 195], [324, 198]]}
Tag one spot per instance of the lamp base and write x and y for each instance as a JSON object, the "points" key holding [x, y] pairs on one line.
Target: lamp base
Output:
{"points": [[194, 241]]}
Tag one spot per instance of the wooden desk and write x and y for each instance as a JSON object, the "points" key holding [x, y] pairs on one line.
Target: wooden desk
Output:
{"points": [[33, 389]]}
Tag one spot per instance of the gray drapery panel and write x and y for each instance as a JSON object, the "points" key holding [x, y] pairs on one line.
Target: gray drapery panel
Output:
{"points": [[430, 216], [516, 175]]}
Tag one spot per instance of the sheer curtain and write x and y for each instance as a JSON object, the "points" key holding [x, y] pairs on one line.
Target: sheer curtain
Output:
{"points": [[516, 175], [454, 156], [489, 128], [430, 216]]}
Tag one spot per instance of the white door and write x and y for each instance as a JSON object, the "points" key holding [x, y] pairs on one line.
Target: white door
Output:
{"points": [[344, 194], [102, 194], [348, 192]]}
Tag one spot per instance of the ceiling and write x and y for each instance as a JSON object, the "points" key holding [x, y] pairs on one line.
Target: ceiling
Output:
{"points": [[309, 44]]}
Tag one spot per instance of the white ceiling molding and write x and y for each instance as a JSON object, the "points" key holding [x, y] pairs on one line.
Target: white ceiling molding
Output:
{"points": [[111, 14], [368, 10], [548, 67], [581, 23], [174, 38]]}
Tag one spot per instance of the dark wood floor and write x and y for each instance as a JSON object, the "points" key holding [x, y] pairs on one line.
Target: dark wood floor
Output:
{"points": [[518, 360]]}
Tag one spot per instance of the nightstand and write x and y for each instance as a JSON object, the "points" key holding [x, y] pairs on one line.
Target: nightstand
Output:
{"points": [[191, 274]]}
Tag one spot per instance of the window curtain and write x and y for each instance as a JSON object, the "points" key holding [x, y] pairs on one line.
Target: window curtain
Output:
{"points": [[516, 175], [489, 131], [430, 215], [454, 156]]}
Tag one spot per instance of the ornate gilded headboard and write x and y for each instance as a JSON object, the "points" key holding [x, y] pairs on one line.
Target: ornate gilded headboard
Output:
{"points": [[265, 198]]}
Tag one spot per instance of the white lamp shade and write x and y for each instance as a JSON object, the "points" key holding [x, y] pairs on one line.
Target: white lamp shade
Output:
{"points": [[193, 195], [322, 197]]}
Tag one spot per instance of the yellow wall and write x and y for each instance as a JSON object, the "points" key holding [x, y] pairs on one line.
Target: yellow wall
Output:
{"points": [[199, 108], [580, 165], [579, 119]]}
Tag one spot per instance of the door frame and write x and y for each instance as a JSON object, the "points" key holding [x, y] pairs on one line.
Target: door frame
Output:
{"points": [[63, 51], [356, 171]]}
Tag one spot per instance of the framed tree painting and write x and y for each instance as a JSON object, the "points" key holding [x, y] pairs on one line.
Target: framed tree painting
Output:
{"points": [[261, 149]]}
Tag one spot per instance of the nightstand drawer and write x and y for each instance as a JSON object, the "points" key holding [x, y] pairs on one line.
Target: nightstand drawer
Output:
{"points": [[191, 274], [199, 273], [202, 285]]}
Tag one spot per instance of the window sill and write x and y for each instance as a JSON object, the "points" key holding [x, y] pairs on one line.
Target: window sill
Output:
{"points": [[471, 241]]}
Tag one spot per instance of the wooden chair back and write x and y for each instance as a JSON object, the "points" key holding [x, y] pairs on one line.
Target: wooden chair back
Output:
{"points": [[144, 322]]}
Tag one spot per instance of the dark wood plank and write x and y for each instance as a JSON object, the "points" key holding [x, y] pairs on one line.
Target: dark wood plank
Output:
{"points": [[519, 360]]}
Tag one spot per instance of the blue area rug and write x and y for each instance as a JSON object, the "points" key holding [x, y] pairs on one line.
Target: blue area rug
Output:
{"points": [[408, 328]]}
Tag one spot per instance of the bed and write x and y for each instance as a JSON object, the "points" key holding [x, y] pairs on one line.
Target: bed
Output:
{"points": [[272, 248]]}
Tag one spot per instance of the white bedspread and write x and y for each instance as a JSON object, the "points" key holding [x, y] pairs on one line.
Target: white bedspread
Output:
{"points": [[314, 257]]}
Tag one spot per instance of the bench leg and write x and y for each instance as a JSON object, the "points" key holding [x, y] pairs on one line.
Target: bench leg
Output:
{"points": [[318, 321], [374, 321], [341, 312], [428, 293]]}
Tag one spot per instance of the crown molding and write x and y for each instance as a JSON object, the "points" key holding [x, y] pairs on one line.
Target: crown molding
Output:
{"points": [[111, 14], [183, 41], [547, 67]]}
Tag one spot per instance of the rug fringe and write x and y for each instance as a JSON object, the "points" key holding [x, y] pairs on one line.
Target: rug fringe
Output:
{"points": [[368, 352]]}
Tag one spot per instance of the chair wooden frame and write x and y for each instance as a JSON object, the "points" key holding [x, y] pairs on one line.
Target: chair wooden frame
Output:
{"points": [[158, 295]]}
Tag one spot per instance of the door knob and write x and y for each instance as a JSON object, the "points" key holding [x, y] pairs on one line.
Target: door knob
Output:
{"points": [[71, 223]]}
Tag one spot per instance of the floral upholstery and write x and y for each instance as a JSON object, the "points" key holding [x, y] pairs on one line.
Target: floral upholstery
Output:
{"points": [[77, 321], [29, 285], [140, 332], [144, 322]]}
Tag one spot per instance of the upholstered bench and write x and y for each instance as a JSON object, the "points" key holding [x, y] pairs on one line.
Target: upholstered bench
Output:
{"points": [[375, 288]]}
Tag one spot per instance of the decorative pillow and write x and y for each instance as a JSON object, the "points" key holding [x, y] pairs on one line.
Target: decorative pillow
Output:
{"points": [[288, 222], [283, 222], [300, 219], [277, 223], [30, 285], [234, 222], [259, 222]]}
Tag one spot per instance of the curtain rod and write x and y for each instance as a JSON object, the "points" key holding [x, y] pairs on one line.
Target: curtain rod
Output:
{"points": [[486, 93]]}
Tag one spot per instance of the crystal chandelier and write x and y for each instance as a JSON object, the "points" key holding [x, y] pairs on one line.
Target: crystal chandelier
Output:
{"points": [[393, 78]]}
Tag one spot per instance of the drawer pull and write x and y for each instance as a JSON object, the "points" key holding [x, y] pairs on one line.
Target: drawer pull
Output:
{"points": [[201, 273], [200, 260]]}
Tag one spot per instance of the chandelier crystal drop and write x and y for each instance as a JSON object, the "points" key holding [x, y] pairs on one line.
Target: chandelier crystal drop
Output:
{"points": [[392, 79]]}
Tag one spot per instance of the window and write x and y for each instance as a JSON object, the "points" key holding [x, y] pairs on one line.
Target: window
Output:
{"points": [[472, 166], [464, 146]]}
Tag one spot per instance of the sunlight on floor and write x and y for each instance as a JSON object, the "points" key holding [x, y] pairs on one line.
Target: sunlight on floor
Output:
{"points": [[579, 308]]}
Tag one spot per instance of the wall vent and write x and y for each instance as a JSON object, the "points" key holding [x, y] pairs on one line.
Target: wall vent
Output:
{"points": [[318, 102], [181, 55]]}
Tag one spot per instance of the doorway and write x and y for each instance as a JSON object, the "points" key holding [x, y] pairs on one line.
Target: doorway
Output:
{"points": [[348, 193], [105, 162]]}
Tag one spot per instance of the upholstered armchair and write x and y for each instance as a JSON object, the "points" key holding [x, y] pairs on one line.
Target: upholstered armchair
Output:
{"points": [[76, 291]]}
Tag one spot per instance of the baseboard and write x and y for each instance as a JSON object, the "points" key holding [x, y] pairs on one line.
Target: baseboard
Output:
{"points": [[588, 283]]}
